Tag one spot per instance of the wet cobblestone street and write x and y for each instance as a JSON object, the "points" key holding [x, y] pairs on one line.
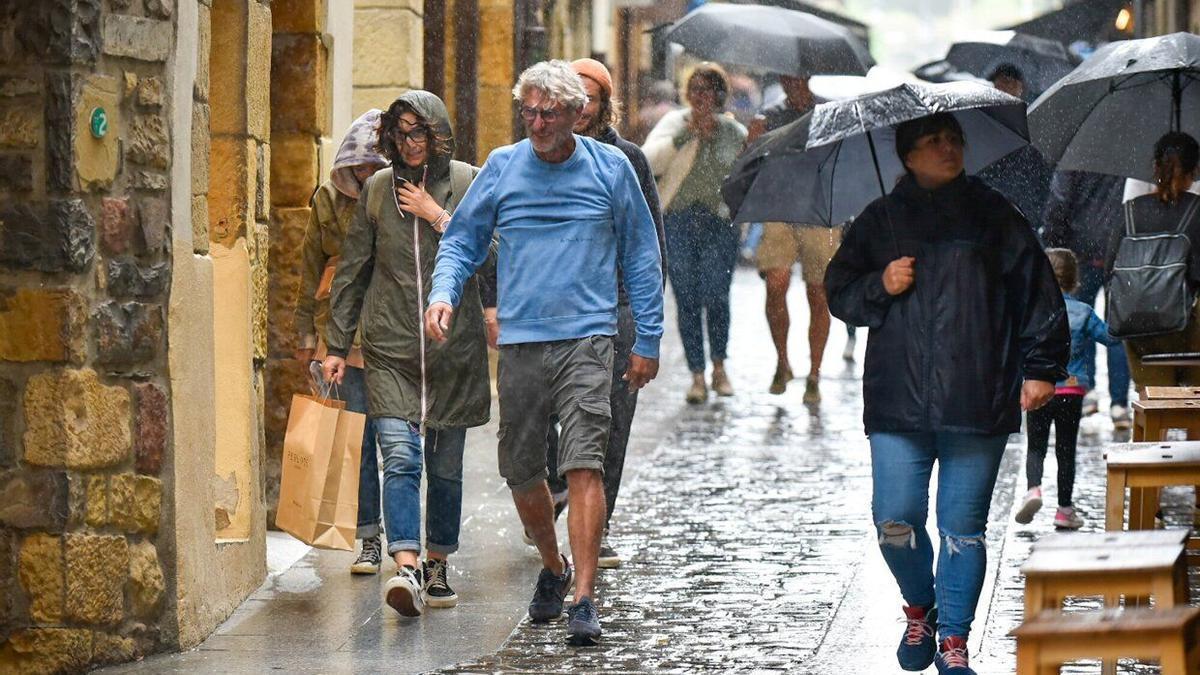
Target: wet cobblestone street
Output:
{"points": [[744, 527]]}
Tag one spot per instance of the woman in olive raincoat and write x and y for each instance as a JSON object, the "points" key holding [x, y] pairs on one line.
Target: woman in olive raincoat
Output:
{"points": [[380, 287], [333, 203]]}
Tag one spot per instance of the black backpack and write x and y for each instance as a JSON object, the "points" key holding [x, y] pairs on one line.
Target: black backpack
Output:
{"points": [[1149, 292]]}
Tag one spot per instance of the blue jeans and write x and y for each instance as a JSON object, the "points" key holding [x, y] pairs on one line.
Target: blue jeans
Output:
{"points": [[901, 464], [1091, 280], [702, 249], [353, 391], [400, 445]]}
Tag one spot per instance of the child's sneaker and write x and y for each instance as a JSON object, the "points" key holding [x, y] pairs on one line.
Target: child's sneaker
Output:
{"points": [[1031, 505], [918, 647], [1066, 518], [952, 657]]}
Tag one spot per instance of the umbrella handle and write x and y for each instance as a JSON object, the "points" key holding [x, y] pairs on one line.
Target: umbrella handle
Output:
{"points": [[883, 192]]}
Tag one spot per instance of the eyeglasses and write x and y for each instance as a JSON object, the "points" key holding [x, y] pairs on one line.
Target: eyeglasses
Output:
{"points": [[548, 115], [418, 134]]}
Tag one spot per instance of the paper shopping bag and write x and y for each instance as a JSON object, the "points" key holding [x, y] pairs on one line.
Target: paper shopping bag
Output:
{"points": [[318, 492]]}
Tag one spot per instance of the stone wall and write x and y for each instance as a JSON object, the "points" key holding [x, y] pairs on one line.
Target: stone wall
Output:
{"points": [[387, 51], [85, 257]]}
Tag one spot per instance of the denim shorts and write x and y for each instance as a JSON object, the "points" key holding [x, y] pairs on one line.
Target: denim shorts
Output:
{"points": [[568, 378]]}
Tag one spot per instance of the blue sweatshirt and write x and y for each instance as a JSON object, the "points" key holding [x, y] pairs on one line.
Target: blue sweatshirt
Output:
{"points": [[562, 230]]}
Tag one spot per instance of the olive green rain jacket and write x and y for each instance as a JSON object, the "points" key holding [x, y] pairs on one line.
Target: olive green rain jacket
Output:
{"points": [[375, 288]]}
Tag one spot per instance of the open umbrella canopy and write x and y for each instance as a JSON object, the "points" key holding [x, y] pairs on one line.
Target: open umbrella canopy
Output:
{"points": [[825, 167], [1042, 62], [1107, 114], [770, 38]]}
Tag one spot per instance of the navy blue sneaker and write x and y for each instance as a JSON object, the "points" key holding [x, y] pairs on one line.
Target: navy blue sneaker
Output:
{"points": [[583, 623], [918, 647], [952, 657], [547, 603]]}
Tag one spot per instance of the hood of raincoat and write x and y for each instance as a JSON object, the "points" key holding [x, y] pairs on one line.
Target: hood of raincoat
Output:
{"points": [[360, 146], [432, 110]]}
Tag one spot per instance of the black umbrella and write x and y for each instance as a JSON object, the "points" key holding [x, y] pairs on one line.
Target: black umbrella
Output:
{"points": [[1106, 115], [771, 38], [1042, 62], [943, 71], [825, 167]]}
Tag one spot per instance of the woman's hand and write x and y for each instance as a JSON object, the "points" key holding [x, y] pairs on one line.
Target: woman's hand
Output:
{"points": [[1035, 394], [899, 275], [414, 199]]}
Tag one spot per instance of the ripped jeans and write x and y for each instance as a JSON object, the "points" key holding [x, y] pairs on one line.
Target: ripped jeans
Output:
{"points": [[901, 465]]}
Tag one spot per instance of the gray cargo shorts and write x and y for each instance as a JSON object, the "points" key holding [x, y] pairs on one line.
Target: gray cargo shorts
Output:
{"points": [[570, 378]]}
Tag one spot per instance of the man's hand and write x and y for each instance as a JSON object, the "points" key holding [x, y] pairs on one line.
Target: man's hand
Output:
{"points": [[641, 371], [414, 199], [492, 327], [333, 368], [437, 320], [1035, 394], [899, 275]]}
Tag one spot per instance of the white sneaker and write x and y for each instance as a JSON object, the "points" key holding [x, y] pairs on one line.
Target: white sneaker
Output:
{"points": [[1090, 404], [1031, 505], [403, 592], [1120, 416]]}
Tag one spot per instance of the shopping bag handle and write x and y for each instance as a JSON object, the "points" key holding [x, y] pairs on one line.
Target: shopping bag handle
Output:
{"points": [[320, 388]]}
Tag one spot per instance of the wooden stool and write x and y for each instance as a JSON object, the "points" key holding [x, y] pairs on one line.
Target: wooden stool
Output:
{"points": [[1052, 638], [1124, 539], [1152, 418], [1053, 574], [1144, 468]]}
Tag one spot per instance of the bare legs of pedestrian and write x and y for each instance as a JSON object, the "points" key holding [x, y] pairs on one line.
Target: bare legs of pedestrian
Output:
{"points": [[536, 509], [818, 327], [585, 524], [779, 321]]}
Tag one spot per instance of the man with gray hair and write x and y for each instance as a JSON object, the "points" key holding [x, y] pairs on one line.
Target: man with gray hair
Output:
{"points": [[568, 212]]}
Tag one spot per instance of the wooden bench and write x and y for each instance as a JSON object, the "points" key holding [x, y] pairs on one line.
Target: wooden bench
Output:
{"points": [[1143, 469], [1052, 638], [1054, 574]]}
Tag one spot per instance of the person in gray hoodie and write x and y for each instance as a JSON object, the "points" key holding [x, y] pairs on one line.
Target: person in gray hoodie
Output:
{"points": [[332, 206]]}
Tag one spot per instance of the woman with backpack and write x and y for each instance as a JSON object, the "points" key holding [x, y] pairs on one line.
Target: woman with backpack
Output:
{"points": [[1153, 268], [415, 386]]}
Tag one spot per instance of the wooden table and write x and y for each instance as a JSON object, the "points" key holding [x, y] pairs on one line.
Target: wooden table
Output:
{"points": [[1153, 393], [1126, 539]]}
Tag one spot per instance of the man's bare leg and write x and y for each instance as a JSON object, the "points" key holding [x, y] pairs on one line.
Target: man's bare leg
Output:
{"points": [[536, 509], [779, 321], [585, 523], [818, 326]]}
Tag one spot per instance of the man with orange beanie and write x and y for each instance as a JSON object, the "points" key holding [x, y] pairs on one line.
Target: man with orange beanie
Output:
{"points": [[597, 121]]}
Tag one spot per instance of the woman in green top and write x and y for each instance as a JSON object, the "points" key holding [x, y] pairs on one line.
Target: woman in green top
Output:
{"points": [[690, 152]]}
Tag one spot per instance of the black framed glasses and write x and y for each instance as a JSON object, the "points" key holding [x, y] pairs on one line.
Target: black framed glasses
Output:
{"points": [[548, 115], [418, 134]]}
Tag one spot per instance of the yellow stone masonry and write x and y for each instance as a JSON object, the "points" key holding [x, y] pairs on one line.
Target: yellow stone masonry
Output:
{"points": [[72, 420]]}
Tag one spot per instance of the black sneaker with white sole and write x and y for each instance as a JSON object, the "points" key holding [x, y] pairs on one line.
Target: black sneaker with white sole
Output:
{"points": [[403, 592], [551, 590], [583, 623], [369, 558], [437, 588]]}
